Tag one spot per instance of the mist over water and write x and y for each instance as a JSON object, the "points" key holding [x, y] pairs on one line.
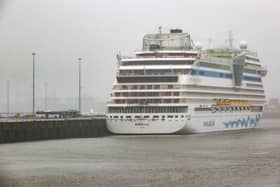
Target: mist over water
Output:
{"points": [[62, 31]]}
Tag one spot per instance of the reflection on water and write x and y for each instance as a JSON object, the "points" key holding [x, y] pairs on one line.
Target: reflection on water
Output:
{"points": [[236, 158]]}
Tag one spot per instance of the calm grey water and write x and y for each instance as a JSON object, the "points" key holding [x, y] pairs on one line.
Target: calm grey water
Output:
{"points": [[241, 158]]}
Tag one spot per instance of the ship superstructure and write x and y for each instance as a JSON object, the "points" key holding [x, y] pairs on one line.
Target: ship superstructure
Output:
{"points": [[173, 86]]}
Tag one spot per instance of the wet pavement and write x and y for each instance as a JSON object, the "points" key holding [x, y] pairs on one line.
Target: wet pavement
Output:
{"points": [[236, 158]]}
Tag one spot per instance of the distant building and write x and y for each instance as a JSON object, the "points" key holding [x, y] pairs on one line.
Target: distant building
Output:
{"points": [[272, 109], [273, 103]]}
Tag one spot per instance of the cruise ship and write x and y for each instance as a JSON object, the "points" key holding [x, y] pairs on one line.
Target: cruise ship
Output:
{"points": [[174, 86]]}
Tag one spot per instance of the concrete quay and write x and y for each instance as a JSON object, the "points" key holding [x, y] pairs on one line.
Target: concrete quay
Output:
{"points": [[13, 130]]}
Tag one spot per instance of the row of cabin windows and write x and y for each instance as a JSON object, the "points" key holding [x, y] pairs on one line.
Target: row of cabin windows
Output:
{"points": [[169, 86], [251, 71], [214, 66], [223, 67], [148, 79], [193, 55], [147, 109], [180, 71], [230, 108], [147, 94], [154, 72], [254, 85], [146, 117], [252, 59], [147, 101], [148, 87]]}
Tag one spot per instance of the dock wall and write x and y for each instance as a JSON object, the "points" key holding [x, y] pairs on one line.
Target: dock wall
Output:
{"points": [[17, 131]]}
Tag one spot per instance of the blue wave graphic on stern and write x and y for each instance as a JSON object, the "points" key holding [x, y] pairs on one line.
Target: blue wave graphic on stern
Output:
{"points": [[244, 122]]}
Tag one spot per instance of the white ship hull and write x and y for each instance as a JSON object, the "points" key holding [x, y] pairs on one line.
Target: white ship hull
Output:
{"points": [[195, 124]]}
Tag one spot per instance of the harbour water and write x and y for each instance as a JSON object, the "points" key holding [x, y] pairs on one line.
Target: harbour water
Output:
{"points": [[236, 158]]}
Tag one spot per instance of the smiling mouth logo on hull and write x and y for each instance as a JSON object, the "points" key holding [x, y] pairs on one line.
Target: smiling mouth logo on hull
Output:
{"points": [[244, 122]]}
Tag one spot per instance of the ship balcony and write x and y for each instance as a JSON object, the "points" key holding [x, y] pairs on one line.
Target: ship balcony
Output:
{"points": [[154, 72], [262, 71], [153, 87], [147, 101], [147, 78], [145, 94]]}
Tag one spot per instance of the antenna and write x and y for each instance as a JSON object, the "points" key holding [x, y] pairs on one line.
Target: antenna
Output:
{"points": [[230, 39], [210, 40], [159, 29], [160, 41], [8, 96], [46, 96]]}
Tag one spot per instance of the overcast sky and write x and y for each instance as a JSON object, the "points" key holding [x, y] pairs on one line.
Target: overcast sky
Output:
{"points": [[60, 31]]}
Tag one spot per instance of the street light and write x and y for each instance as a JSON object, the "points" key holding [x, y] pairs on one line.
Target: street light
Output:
{"points": [[33, 87], [46, 96], [8, 96], [80, 87]]}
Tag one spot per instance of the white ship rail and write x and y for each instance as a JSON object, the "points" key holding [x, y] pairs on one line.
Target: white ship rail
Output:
{"points": [[148, 75], [110, 104], [247, 96], [189, 91], [185, 98], [155, 67], [168, 52], [187, 102], [216, 60], [163, 85], [252, 63], [180, 58]]}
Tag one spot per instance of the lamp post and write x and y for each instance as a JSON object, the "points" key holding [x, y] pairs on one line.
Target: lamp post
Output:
{"points": [[80, 86], [46, 96], [33, 87], [8, 96]]}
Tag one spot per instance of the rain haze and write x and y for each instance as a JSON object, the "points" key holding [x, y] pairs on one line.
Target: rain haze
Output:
{"points": [[178, 116], [61, 31]]}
